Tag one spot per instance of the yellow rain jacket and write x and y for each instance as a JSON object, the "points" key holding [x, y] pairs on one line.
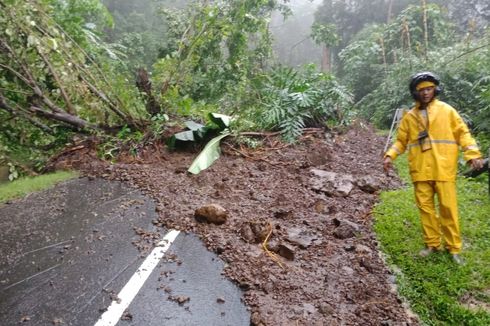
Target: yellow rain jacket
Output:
{"points": [[446, 133]]}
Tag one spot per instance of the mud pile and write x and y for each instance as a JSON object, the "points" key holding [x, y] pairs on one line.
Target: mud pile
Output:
{"points": [[298, 235]]}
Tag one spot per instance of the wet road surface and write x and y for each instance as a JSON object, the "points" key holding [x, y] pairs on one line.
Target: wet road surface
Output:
{"points": [[67, 252]]}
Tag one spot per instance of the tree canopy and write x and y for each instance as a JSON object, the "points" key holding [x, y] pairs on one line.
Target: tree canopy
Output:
{"points": [[125, 70]]}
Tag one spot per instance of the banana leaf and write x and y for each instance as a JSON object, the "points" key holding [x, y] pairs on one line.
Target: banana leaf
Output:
{"points": [[223, 121], [191, 125], [209, 154], [196, 133]]}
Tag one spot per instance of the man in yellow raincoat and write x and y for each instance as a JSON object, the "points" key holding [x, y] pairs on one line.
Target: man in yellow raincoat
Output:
{"points": [[432, 132]]}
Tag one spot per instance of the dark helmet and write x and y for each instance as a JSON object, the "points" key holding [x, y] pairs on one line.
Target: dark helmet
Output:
{"points": [[420, 77]]}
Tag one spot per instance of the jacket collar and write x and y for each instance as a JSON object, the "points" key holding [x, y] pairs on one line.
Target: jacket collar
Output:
{"points": [[431, 104]]}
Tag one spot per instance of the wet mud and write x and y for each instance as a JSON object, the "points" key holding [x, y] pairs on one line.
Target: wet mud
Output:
{"points": [[297, 238]]}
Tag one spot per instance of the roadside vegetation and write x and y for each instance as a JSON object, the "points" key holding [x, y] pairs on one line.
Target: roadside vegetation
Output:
{"points": [[26, 185], [439, 291], [132, 73]]}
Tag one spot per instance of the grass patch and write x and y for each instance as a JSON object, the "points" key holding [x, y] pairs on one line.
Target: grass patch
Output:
{"points": [[24, 186], [439, 291]]}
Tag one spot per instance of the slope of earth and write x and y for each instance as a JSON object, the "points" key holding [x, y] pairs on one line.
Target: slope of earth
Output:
{"points": [[298, 238]]}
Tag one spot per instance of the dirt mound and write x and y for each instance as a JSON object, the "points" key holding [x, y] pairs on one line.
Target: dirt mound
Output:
{"points": [[298, 235]]}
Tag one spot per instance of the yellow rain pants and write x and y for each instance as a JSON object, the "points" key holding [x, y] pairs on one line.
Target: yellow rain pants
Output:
{"points": [[445, 223]]}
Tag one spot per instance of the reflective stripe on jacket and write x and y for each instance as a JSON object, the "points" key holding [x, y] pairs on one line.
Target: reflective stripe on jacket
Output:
{"points": [[447, 131]]}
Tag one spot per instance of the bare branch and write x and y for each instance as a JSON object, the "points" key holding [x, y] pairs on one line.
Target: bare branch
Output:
{"points": [[88, 57], [17, 74], [4, 105], [105, 99], [467, 52]]}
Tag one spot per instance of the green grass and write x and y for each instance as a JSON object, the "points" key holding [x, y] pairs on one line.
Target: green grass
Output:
{"points": [[434, 286], [24, 186]]}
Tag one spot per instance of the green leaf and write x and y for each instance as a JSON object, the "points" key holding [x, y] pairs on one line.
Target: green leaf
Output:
{"points": [[193, 125], [223, 121], [209, 154], [181, 136]]}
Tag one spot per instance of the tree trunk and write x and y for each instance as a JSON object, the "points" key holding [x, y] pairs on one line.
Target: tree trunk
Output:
{"points": [[426, 33], [64, 117], [4, 105], [390, 8], [326, 62], [383, 53], [144, 85]]}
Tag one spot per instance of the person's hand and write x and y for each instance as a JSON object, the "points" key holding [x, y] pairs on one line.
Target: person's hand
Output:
{"points": [[387, 164], [476, 164]]}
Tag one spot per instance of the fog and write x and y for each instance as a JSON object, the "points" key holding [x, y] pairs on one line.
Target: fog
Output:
{"points": [[293, 45]]}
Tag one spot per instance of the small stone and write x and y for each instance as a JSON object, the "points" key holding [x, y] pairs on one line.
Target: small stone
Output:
{"points": [[220, 300], [326, 309], [363, 249], [344, 232], [284, 214], [24, 319], [247, 233], [367, 265], [255, 319], [286, 251]]}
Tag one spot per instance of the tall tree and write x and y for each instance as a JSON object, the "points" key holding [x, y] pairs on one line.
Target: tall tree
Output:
{"points": [[50, 74], [350, 17]]}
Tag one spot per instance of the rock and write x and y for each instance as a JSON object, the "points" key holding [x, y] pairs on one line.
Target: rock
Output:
{"points": [[349, 247], [344, 231], [316, 158], [320, 206], [247, 233], [347, 270], [367, 264], [368, 184], [300, 238], [255, 319], [211, 213], [284, 214], [220, 300], [308, 308], [268, 287], [127, 315], [331, 183], [326, 309], [273, 245], [260, 230], [342, 221], [363, 249], [181, 299], [286, 251]]}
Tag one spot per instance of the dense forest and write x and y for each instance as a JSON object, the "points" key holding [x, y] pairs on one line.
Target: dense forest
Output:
{"points": [[128, 71]]}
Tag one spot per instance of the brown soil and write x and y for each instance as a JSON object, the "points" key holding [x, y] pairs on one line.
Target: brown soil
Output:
{"points": [[322, 264]]}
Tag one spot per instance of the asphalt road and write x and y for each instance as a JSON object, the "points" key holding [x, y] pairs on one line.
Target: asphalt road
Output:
{"points": [[69, 256]]}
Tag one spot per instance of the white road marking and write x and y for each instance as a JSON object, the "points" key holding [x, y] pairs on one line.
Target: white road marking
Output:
{"points": [[113, 314]]}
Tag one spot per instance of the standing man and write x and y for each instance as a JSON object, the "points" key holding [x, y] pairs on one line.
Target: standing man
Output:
{"points": [[432, 132]]}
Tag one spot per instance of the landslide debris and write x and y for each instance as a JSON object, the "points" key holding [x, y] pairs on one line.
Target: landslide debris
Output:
{"points": [[297, 236]]}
